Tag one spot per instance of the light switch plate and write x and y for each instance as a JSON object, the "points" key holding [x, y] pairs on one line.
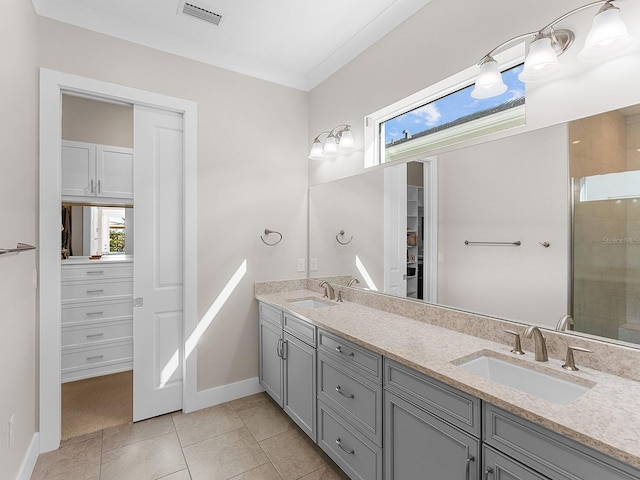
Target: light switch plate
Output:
{"points": [[301, 265], [313, 264]]}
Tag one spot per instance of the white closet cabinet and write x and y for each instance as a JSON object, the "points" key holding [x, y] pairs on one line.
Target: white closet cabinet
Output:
{"points": [[97, 318], [96, 172]]}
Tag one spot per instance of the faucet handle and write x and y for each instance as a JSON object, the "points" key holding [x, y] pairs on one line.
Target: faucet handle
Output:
{"points": [[569, 363], [517, 348], [339, 299]]}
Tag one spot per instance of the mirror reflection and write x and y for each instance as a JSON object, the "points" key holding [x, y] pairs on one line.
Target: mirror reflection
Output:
{"points": [[96, 230], [521, 228]]}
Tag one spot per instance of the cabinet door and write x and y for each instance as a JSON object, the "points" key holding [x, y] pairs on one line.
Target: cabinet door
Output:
{"points": [[498, 466], [300, 383], [271, 368], [114, 172], [78, 168], [419, 445]]}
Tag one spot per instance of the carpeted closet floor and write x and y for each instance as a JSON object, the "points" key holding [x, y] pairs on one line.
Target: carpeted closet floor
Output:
{"points": [[96, 403]]}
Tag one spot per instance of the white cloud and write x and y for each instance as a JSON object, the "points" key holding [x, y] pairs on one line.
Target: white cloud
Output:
{"points": [[428, 113]]}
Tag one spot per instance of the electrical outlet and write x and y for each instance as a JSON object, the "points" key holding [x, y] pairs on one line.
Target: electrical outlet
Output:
{"points": [[313, 264], [12, 429], [301, 265], [440, 257]]}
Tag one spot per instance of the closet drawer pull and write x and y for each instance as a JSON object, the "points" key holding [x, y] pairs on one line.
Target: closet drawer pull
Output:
{"points": [[339, 350], [90, 292], [95, 272], [95, 357], [94, 335], [92, 314]]}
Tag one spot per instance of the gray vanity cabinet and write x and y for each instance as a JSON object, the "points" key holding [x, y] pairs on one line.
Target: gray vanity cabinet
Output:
{"points": [[553, 455], [422, 438], [497, 466], [350, 406], [287, 368], [299, 388], [271, 368]]}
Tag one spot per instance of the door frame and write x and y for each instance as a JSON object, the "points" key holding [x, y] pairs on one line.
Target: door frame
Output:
{"points": [[52, 85]]}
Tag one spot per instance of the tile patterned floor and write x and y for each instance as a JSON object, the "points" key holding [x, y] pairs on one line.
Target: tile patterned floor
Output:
{"points": [[247, 439]]}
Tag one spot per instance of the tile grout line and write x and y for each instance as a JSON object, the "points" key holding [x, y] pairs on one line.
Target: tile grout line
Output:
{"points": [[175, 429]]}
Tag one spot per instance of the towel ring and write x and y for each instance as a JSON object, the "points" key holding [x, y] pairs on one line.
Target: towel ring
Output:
{"points": [[341, 234], [268, 232]]}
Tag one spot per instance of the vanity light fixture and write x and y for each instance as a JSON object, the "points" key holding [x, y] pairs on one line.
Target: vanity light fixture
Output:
{"points": [[607, 38], [338, 139]]}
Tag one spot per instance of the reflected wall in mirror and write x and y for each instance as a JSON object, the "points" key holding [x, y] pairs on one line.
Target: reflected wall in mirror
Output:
{"points": [[96, 230], [494, 229], [604, 158]]}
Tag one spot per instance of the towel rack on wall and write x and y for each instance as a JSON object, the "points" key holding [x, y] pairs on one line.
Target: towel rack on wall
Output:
{"points": [[341, 234], [20, 247], [500, 244], [269, 232]]}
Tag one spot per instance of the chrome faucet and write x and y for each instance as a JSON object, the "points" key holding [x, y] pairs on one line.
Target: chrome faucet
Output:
{"points": [[565, 323], [352, 281], [540, 344], [330, 294]]}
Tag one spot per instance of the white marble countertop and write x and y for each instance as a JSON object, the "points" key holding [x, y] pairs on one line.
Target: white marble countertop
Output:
{"points": [[606, 417]]}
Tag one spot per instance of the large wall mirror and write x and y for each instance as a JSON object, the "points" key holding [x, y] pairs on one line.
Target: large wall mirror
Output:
{"points": [[529, 227]]}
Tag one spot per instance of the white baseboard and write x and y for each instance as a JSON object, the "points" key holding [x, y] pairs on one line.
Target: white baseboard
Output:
{"points": [[226, 393], [29, 461]]}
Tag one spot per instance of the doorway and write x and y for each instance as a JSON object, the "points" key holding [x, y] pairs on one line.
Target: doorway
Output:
{"points": [[52, 85]]}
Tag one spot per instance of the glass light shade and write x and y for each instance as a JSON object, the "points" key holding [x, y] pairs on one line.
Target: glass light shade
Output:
{"points": [[316, 150], [346, 138], [330, 144], [607, 38], [541, 62], [489, 83]]}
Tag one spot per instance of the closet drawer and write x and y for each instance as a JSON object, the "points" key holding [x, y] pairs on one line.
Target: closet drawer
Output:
{"points": [[97, 312], [357, 456], [356, 398], [96, 271], [100, 332], [358, 358], [450, 404], [74, 359], [82, 291]]}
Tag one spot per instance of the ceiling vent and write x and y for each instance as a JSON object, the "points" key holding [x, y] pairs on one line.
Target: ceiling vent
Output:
{"points": [[201, 13]]}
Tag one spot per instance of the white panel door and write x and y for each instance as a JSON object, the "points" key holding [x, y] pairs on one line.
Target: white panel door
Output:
{"points": [[158, 263], [395, 230]]}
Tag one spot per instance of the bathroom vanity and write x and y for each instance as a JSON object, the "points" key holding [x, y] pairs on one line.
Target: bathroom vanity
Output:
{"points": [[392, 401]]}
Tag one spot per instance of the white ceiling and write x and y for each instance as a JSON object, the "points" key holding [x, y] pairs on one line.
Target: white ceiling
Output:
{"points": [[297, 43]]}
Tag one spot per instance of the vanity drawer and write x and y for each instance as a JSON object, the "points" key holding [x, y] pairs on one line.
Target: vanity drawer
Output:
{"points": [[97, 312], [100, 332], [270, 314], [448, 403], [354, 453], [548, 452], [355, 397], [96, 360], [82, 291], [356, 357], [96, 271], [500, 467], [300, 329]]}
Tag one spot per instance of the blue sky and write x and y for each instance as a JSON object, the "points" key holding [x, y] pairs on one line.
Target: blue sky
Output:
{"points": [[451, 107]]}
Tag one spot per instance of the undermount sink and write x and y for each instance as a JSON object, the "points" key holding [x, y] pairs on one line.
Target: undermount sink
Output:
{"points": [[546, 386], [310, 303]]}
